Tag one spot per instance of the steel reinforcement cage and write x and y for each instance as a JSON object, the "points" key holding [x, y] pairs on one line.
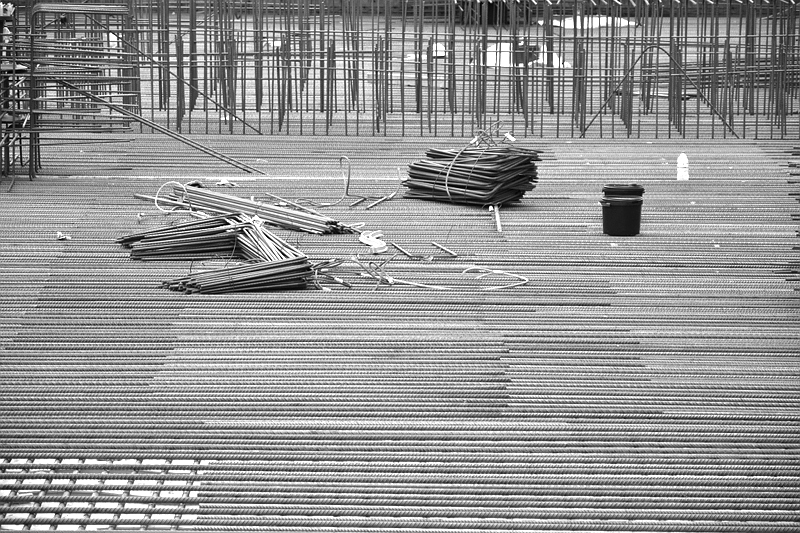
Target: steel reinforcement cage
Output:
{"points": [[628, 68]]}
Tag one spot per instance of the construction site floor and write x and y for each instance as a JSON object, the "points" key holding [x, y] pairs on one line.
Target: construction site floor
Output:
{"points": [[645, 383]]}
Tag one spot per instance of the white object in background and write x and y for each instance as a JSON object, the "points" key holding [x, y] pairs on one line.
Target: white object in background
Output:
{"points": [[273, 45], [558, 62], [500, 55], [591, 22], [683, 167], [438, 51]]}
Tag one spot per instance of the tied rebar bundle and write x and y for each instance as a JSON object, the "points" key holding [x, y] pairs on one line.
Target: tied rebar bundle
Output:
{"points": [[289, 216], [493, 175], [263, 260], [259, 276]]}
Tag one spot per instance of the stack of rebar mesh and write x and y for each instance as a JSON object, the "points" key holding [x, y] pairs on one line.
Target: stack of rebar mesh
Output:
{"points": [[231, 229], [493, 175]]}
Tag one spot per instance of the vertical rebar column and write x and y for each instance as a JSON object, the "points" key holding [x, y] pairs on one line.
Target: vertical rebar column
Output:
{"points": [[626, 98], [450, 55], [180, 93], [163, 58], [193, 56], [549, 44], [521, 58]]}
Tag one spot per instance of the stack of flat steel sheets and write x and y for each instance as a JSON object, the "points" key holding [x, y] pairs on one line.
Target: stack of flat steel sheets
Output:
{"points": [[492, 175]]}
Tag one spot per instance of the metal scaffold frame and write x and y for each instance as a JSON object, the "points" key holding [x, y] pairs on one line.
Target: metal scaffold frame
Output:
{"points": [[440, 68]]}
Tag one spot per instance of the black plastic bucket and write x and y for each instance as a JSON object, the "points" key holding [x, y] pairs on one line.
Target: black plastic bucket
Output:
{"points": [[632, 189], [622, 215]]}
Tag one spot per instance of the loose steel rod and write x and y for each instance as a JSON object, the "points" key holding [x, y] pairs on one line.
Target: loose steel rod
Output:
{"points": [[444, 249], [293, 219], [159, 128]]}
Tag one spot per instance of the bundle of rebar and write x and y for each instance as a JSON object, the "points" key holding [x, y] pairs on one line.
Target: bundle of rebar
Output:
{"points": [[493, 175], [270, 263], [258, 276], [298, 218], [198, 239]]}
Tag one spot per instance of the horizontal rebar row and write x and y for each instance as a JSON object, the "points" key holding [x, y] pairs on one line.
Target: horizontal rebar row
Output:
{"points": [[641, 383]]}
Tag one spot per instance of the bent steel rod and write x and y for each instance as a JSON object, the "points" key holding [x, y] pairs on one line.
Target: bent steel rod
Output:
{"points": [[161, 129]]}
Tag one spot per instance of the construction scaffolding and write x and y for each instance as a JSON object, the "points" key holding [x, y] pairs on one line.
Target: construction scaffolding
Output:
{"points": [[447, 68]]}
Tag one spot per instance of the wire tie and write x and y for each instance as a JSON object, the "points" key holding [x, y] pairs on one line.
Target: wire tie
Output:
{"points": [[487, 271]]}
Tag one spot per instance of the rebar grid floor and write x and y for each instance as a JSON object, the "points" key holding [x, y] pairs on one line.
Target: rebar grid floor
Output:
{"points": [[643, 383]]}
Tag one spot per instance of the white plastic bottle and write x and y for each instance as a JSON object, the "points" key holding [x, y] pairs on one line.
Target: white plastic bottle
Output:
{"points": [[683, 167]]}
